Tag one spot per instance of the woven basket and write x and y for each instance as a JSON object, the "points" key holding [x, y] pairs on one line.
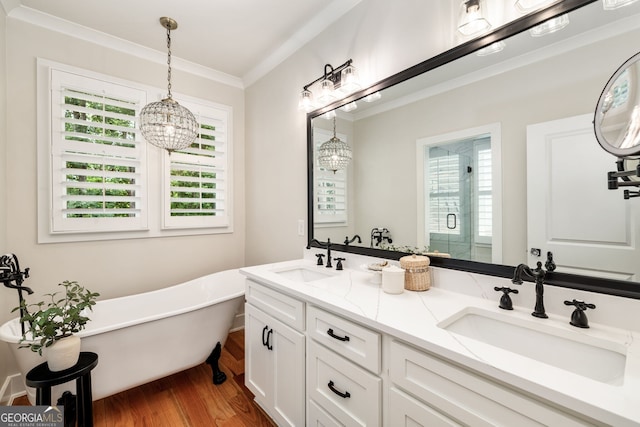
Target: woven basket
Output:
{"points": [[417, 276]]}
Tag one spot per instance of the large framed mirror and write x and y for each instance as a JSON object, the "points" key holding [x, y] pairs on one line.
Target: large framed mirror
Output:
{"points": [[477, 118]]}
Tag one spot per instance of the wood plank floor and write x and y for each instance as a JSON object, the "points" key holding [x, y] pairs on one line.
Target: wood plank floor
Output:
{"points": [[187, 398]]}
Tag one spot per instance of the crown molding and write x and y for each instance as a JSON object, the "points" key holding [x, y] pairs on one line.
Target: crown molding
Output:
{"points": [[305, 34], [31, 16]]}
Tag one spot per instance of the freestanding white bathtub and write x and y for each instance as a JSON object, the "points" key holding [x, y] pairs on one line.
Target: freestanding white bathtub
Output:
{"points": [[143, 337]]}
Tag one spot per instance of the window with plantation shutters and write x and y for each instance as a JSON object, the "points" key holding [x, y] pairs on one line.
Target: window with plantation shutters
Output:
{"points": [[197, 178], [330, 189], [98, 179], [98, 168]]}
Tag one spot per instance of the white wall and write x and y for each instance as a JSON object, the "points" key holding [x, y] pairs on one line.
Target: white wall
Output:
{"points": [[382, 38], [4, 305], [112, 268]]}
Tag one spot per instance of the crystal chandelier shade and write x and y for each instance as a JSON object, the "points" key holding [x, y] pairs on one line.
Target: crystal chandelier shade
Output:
{"points": [[167, 124], [334, 154]]}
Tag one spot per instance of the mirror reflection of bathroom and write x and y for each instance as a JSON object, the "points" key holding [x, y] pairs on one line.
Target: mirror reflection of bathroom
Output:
{"points": [[456, 197], [330, 189]]}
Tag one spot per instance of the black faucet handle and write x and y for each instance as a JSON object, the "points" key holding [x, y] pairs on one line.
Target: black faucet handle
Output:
{"points": [[579, 317], [339, 264], [319, 259], [505, 299]]}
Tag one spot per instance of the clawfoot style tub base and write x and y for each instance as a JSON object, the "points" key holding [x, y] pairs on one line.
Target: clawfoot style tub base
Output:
{"points": [[218, 376]]}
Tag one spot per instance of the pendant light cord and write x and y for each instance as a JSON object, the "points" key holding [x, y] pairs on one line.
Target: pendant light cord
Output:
{"points": [[169, 61]]}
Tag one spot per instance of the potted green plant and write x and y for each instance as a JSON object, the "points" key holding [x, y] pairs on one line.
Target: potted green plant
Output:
{"points": [[51, 324]]}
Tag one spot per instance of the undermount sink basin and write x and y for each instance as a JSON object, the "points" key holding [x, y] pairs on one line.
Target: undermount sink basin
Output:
{"points": [[581, 354], [303, 274]]}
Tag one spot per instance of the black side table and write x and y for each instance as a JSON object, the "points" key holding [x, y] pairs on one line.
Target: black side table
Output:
{"points": [[42, 379]]}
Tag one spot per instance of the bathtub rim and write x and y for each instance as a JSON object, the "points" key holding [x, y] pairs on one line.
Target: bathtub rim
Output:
{"points": [[7, 328]]}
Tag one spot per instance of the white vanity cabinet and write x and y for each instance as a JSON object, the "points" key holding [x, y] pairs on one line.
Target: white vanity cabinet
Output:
{"points": [[449, 395], [343, 366], [275, 353], [316, 363]]}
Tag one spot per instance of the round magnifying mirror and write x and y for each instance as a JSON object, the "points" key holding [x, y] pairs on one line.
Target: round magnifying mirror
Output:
{"points": [[617, 117]]}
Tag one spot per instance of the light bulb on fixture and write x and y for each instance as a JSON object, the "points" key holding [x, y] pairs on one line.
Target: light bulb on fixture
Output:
{"points": [[350, 106], [329, 115], [615, 4], [550, 26], [306, 101], [373, 97], [525, 6], [349, 81], [492, 48], [471, 19], [327, 92], [166, 124]]}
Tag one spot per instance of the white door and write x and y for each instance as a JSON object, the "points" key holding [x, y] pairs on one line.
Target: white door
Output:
{"points": [[590, 229]]}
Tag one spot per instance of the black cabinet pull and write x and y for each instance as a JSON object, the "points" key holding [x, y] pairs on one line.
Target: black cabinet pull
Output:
{"points": [[269, 346], [264, 340], [344, 395], [332, 335]]}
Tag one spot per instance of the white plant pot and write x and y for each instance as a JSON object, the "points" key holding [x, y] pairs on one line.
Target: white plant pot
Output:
{"points": [[63, 353]]}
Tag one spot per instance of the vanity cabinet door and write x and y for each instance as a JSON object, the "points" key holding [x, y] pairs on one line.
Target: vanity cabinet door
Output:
{"points": [[274, 367]]}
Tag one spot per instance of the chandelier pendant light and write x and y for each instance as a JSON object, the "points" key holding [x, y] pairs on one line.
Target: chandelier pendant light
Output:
{"points": [[334, 154], [167, 124]]}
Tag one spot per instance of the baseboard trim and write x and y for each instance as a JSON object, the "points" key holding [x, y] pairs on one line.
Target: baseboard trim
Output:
{"points": [[238, 322], [12, 388]]}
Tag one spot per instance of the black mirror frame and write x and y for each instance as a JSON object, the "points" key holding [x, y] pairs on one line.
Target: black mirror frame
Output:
{"points": [[586, 283]]}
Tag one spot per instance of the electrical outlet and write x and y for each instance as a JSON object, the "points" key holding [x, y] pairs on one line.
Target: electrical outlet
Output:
{"points": [[301, 227]]}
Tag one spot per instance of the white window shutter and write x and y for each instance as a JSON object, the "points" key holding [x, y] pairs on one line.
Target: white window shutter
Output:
{"points": [[197, 180], [98, 160]]}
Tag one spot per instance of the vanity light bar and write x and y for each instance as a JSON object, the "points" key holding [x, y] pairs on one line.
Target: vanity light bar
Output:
{"points": [[334, 83]]}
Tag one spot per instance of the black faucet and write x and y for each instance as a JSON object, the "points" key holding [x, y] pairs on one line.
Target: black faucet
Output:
{"points": [[325, 245], [10, 272], [538, 275], [378, 235], [355, 237]]}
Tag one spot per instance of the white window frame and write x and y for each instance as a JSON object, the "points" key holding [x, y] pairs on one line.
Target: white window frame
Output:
{"points": [[154, 158]]}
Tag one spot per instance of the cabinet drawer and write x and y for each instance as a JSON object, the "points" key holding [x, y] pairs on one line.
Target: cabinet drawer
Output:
{"points": [[466, 397], [288, 310], [318, 417], [405, 411], [347, 392], [352, 341]]}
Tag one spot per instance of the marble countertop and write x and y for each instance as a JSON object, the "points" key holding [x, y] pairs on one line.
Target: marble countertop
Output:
{"points": [[415, 317]]}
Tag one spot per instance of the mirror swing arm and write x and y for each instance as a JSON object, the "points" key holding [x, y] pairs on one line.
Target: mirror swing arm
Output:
{"points": [[621, 178], [592, 284]]}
